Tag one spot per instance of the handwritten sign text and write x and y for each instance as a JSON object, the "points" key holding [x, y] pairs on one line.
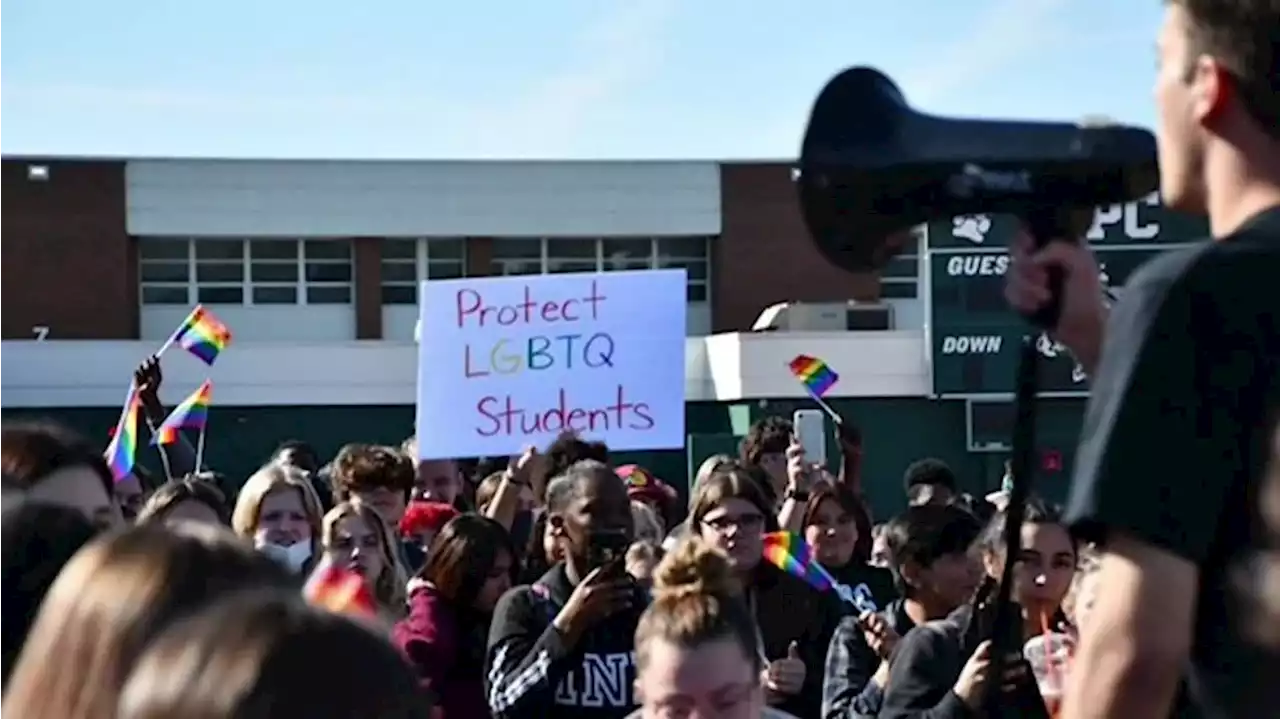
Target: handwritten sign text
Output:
{"points": [[509, 361]]}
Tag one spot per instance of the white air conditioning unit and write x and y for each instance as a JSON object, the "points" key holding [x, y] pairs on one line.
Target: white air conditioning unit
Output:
{"points": [[848, 316]]}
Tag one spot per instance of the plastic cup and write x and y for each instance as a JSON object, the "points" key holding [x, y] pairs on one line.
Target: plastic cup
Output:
{"points": [[1049, 655]]}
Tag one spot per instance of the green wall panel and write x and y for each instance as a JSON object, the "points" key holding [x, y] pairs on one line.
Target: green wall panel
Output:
{"points": [[896, 432]]}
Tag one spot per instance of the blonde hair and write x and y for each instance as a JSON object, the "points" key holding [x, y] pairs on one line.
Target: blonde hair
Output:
{"points": [[248, 509], [389, 587], [116, 594], [711, 464], [409, 447], [697, 599]]}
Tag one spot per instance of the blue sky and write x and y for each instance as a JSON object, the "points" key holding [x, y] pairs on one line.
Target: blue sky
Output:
{"points": [[545, 79]]}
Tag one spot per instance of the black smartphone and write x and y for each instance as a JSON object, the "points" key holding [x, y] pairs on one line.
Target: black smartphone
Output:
{"points": [[608, 548]]}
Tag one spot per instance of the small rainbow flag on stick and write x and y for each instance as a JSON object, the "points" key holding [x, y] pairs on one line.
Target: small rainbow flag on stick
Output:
{"points": [[790, 553], [340, 590], [817, 377], [122, 450], [193, 414], [201, 334]]}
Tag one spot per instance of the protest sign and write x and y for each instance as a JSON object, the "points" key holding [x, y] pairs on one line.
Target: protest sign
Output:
{"points": [[505, 362]]}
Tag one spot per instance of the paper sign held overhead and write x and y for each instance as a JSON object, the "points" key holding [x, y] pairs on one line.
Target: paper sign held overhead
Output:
{"points": [[505, 362]]}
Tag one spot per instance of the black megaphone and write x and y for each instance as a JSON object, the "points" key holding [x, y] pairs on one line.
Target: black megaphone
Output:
{"points": [[871, 167]]}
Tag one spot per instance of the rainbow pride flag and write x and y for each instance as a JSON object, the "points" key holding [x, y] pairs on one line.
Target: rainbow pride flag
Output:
{"points": [[340, 590], [122, 450], [816, 376], [192, 414], [202, 334], [790, 553]]}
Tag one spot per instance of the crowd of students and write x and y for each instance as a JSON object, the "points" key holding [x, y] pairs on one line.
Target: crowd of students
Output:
{"points": [[550, 584]]}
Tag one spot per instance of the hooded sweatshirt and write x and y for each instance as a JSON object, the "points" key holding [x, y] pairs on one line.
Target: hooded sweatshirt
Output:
{"points": [[446, 649], [531, 671]]}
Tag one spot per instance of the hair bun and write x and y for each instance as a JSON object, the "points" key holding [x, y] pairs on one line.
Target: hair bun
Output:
{"points": [[694, 567]]}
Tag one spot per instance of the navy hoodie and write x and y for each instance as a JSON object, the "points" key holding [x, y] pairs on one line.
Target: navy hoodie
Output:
{"points": [[530, 671]]}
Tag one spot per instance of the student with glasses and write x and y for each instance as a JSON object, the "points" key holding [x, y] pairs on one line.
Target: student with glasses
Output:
{"points": [[730, 511]]}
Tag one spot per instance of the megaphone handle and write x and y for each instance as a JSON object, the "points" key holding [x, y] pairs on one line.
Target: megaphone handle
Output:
{"points": [[1045, 225]]}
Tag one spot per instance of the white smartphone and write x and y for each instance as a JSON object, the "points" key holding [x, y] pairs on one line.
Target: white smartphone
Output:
{"points": [[810, 426]]}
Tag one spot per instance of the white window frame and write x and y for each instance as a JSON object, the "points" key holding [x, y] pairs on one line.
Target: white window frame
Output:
{"points": [[246, 285], [917, 253], [422, 261], [305, 285], [654, 243]]}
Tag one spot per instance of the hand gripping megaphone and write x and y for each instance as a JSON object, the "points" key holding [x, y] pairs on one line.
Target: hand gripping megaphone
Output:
{"points": [[871, 167]]}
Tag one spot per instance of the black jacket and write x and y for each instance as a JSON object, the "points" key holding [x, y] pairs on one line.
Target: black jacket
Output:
{"points": [[847, 690], [788, 610], [924, 668], [530, 671]]}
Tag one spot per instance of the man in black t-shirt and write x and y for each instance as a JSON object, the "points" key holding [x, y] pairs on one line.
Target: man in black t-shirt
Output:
{"points": [[1170, 473]]}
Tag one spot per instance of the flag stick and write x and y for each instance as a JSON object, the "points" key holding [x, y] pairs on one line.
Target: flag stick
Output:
{"points": [[167, 344], [174, 337], [200, 446], [835, 416], [164, 462]]}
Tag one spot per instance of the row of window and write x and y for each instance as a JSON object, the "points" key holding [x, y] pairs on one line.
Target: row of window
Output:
{"points": [[407, 262], [178, 271], [248, 272]]}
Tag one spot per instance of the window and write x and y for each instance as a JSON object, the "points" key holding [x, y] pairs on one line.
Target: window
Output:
{"points": [[164, 268], [555, 255], [900, 279], [517, 257], [328, 272], [406, 262], [186, 271], [692, 254]]}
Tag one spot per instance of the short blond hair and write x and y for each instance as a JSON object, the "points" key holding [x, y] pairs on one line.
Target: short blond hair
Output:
{"points": [[246, 514]]}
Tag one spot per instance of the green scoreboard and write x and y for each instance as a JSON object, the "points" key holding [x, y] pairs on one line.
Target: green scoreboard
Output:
{"points": [[973, 334]]}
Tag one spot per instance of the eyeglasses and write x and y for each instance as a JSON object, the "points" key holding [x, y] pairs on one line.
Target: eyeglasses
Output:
{"points": [[745, 523]]}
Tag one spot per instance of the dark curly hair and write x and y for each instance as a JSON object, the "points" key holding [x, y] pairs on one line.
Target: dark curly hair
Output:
{"points": [[770, 435], [928, 471], [565, 451], [362, 467]]}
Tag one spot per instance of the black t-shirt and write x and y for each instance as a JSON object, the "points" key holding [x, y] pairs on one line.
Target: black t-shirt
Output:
{"points": [[1178, 439]]}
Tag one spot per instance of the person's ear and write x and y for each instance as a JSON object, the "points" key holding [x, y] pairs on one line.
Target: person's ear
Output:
{"points": [[912, 573], [1212, 87]]}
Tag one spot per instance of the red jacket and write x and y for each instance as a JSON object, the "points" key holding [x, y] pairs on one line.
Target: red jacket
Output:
{"points": [[446, 649]]}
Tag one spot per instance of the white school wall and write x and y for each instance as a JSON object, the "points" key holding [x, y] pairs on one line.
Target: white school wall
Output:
{"points": [[718, 368]]}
